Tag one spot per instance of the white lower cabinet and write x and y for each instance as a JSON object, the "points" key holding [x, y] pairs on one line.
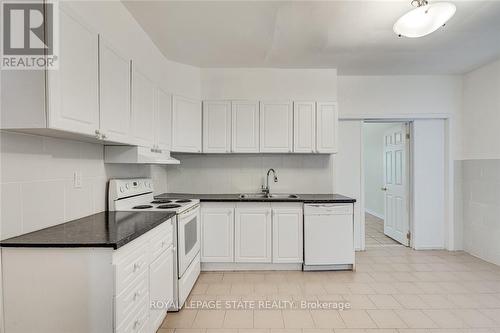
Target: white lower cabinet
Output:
{"points": [[217, 232], [287, 233], [97, 289], [252, 233], [161, 292]]}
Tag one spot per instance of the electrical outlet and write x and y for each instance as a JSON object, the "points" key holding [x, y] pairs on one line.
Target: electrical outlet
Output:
{"points": [[77, 179]]}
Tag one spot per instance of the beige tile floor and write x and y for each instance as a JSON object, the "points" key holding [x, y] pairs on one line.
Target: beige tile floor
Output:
{"points": [[394, 290], [374, 233]]}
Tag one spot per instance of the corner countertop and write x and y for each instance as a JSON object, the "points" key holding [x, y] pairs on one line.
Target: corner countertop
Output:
{"points": [[105, 229], [305, 198]]}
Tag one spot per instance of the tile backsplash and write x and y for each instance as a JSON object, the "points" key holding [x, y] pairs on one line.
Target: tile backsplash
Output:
{"points": [[245, 173], [481, 208], [37, 181]]}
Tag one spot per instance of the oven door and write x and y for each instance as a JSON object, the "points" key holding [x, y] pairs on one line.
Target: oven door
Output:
{"points": [[188, 241]]}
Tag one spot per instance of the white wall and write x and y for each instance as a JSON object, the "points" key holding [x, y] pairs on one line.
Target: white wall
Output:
{"points": [[373, 161], [403, 96], [481, 113], [269, 83], [348, 173], [480, 167], [429, 179]]}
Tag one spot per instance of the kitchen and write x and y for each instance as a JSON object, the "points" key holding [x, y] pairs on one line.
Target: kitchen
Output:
{"points": [[255, 154]]}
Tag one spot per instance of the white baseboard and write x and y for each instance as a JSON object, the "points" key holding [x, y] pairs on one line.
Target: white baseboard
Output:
{"points": [[380, 216], [215, 266]]}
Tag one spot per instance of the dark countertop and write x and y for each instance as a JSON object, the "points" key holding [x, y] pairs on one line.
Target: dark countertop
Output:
{"points": [[305, 198], [106, 229]]}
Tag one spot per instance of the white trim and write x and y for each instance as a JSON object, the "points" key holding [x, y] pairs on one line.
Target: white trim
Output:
{"points": [[369, 211], [233, 266], [395, 117], [362, 208]]}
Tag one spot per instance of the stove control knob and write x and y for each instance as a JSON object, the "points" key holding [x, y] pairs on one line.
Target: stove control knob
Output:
{"points": [[122, 189], [127, 186]]}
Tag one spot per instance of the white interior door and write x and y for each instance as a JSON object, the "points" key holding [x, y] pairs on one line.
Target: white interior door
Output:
{"points": [[396, 222]]}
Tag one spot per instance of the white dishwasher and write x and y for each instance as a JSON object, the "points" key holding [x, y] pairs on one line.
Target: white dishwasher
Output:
{"points": [[328, 236]]}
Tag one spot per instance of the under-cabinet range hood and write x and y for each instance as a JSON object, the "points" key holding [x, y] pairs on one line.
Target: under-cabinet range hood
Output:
{"points": [[137, 155]]}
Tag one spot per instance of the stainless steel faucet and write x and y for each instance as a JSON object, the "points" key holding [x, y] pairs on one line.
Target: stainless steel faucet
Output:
{"points": [[265, 189]]}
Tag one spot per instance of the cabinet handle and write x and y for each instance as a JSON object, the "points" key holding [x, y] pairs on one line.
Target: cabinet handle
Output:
{"points": [[137, 266], [136, 324], [136, 295]]}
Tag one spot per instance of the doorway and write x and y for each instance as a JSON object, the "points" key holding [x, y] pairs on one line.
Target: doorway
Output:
{"points": [[386, 158]]}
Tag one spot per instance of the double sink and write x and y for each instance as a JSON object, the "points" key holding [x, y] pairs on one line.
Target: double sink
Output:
{"points": [[268, 196]]}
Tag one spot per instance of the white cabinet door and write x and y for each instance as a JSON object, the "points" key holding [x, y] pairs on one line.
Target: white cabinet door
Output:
{"points": [[216, 126], [163, 121], [245, 126], [304, 127], [252, 235], [143, 109], [73, 89], [217, 233], [114, 98], [287, 234], [326, 127], [276, 126], [186, 125], [161, 287]]}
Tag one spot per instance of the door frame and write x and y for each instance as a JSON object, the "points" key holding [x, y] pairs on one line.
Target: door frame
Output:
{"points": [[449, 224], [408, 175]]}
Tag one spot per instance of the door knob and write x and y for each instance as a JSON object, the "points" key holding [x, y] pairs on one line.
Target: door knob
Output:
{"points": [[384, 188]]}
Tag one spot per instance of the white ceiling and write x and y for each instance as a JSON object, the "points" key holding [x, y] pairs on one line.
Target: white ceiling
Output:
{"points": [[354, 36]]}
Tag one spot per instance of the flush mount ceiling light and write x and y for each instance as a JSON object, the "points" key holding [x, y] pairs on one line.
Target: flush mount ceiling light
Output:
{"points": [[424, 19]]}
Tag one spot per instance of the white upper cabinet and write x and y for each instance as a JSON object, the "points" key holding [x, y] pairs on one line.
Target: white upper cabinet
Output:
{"points": [[326, 127], [304, 127], [163, 122], [114, 94], [276, 119], [217, 232], [245, 126], [143, 109], [186, 125], [73, 88], [216, 126], [287, 233], [252, 234]]}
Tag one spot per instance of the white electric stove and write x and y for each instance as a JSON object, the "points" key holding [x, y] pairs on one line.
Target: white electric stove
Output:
{"points": [[137, 195]]}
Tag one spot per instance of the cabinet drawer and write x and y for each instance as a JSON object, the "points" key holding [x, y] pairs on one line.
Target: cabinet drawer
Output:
{"points": [[130, 267], [161, 239], [137, 321], [130, 298]]}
